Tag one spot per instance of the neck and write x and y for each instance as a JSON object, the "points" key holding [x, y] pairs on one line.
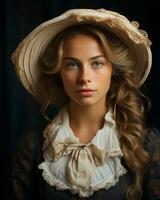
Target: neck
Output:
{"points": [[84, 116]]}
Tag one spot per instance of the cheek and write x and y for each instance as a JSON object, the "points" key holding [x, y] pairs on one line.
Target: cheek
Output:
{"points": [[106, 83], [105, 77], [68, 80]]}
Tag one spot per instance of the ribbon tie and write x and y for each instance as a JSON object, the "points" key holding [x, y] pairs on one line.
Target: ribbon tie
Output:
{"points": [[82, 160]]}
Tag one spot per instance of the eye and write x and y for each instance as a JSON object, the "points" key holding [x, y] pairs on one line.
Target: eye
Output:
{"points": [[97, 64], [71, 65]]}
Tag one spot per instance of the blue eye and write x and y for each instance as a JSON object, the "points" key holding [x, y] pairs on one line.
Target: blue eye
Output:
{"points": [[97, 64], [71, 65]]}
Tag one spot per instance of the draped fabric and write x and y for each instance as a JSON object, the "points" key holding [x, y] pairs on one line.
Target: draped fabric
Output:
{"points": [[18, 111], [81, 168]]}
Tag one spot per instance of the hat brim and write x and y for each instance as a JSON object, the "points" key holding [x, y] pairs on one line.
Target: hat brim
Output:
{"points": [[27, 55]]}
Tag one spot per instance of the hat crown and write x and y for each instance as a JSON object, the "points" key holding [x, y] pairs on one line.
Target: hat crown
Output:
{"points": [[27, 55]]}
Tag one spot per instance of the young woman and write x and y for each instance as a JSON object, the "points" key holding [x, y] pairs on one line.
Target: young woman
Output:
{"points": [[91, 63]]}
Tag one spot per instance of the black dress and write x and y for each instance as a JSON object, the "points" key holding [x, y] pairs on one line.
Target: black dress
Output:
{"points": [[28, 183]]}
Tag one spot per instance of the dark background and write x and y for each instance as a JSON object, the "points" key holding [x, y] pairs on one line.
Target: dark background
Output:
{"points": [[18, 111]]}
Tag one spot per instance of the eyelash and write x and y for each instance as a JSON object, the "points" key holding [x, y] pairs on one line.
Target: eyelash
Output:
{"points": [[95, 64], [71, 65], [98, 64]]}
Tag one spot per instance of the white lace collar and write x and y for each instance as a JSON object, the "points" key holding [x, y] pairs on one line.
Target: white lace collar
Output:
{"points": [[81, 168]]}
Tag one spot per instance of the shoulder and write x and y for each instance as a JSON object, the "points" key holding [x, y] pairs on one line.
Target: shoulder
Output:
{"points": [[25, 162], [29, 139], [28, 147], [152, 141], [152, 177]]}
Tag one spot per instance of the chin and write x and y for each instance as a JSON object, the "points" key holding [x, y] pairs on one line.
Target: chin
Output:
{"points": [[85, 102]]}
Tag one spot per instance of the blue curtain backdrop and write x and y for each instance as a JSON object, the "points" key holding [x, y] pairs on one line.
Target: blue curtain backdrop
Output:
{"points": [[18, 111]]}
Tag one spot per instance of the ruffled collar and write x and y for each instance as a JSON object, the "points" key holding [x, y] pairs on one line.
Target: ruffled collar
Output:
{"points": [[83, 159]]}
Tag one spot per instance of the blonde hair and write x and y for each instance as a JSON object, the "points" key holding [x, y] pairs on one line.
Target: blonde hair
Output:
{"points": [[124, 96]]}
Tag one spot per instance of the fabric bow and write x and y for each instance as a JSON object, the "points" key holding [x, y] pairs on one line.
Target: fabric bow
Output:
{"points": [[82, 160]]}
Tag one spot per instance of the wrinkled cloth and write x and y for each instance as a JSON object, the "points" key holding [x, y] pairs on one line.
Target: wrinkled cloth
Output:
{"points": [[82, 160], [81, 168], [28, 183]]}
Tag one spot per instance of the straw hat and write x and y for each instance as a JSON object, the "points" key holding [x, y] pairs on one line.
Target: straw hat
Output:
{"points": [[26, 56]]}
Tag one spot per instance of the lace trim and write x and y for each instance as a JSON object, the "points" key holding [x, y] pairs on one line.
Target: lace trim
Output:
{"points": [[87, 191], [83, 159]]}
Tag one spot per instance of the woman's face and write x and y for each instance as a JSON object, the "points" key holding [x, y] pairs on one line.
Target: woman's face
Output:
{"points": [[86, 71]]}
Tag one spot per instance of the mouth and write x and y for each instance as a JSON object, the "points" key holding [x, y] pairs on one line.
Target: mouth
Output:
{"points": [[86, 92]]}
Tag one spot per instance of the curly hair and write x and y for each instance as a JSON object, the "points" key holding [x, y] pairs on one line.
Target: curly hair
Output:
{"points": [[124, 96]]}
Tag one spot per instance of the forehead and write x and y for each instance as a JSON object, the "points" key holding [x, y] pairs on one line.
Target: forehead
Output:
{"points": [[82, 43]]}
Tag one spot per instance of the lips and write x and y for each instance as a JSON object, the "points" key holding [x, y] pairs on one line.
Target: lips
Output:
{"points": [[86, 92]]}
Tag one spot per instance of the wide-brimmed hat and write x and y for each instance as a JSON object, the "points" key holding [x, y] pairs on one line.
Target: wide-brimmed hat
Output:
{"points": [[27, 55]]}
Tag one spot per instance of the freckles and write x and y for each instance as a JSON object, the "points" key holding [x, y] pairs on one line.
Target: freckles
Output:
{"points": [[104, 76], [69, 78]]}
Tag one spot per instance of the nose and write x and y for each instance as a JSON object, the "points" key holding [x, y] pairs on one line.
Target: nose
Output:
{"points": [[84, 75]]}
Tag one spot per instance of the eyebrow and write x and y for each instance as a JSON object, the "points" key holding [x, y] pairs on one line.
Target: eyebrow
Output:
{"points": [[92, 58]]}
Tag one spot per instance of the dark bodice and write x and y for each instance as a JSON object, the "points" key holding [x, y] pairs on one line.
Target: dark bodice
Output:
{"points": [[28, 182]]}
